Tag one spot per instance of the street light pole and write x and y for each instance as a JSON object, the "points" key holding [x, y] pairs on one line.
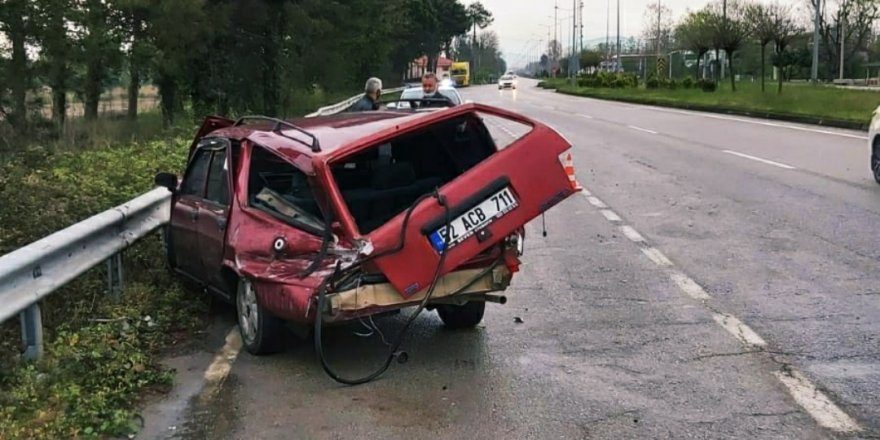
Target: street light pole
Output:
{"points": [[814, 70], [617, 63], [842, 35]]}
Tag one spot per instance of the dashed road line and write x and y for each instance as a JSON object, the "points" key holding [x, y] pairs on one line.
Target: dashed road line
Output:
{"points": [[816, 403], [596, 202], [656, 256], [632, 234], [688, 285], [739, 330], [585, 116], [611, 215], [755, 158], [826, 413], [641, 129]]}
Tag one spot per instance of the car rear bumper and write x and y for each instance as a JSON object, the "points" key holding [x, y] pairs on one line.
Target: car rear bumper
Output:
{"points": [[454, 287]]}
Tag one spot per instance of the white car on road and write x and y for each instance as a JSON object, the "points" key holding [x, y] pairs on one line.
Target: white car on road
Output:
{"points": [[507, 82], [874, 144]]}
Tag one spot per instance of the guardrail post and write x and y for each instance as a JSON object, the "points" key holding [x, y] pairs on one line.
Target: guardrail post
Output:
{"points": [[32, 332], [114, 275]]}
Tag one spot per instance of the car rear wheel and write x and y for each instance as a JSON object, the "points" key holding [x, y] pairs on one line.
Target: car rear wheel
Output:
{"points": [[260, 331], [464, 316]]}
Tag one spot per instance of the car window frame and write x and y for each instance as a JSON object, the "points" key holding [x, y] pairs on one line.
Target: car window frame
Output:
{"points": [[189, 170], [227, 168], [299, 225]]}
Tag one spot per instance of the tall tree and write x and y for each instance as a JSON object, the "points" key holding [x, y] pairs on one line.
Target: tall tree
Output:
{"points": [[658, 26], [135, 18], [478, 17], [762, 28], [16, 21], [785, 28], [730, 30], [99, 37], [52, 23], [695, 33]]}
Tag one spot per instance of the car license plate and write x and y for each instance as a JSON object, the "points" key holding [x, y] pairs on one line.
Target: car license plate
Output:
{"points": [[474, 219]]}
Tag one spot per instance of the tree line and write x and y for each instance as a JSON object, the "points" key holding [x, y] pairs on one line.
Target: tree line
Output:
{"points": [[214, 56]]}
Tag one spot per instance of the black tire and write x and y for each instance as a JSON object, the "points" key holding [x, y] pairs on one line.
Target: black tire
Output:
{"points": [[261, 333], [465, 316], [875, 161]]}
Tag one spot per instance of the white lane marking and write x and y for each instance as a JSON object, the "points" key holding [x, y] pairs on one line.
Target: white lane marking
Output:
{"points": [[749, 121], [739, 330], [610, 215], [585, 116], [689, 286], [656, 256], [586, 193], [642, 129], [632, 234], [768, 162], [816, 403], [222, 364], [596, 202]]}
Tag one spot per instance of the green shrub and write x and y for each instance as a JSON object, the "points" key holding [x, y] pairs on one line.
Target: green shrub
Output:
{"points": [[652, 83], [687, 83], [707, 85], [672, 84]]}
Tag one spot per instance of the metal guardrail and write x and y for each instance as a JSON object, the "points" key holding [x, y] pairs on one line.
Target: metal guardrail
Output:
{"points": [[342, 105], [32, 272]]}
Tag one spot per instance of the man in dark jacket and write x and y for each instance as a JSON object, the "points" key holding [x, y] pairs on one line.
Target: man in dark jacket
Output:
{"points": [[370, 100]]}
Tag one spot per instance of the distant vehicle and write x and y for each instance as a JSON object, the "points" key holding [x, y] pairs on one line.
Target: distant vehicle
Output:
{"points": [[507, 82], [874, 144], [461, 73], [334, 218], [415, 93]]}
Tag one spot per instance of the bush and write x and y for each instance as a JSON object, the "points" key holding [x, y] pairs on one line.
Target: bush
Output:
{"points": [[687, 83], [707, 85], [652, 83], [672, 84]]}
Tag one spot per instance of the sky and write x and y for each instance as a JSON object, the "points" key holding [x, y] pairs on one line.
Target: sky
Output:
{"points": [[520, 23]]}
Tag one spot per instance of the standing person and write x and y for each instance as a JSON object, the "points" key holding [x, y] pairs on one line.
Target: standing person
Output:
{"points": [[370, 100]]}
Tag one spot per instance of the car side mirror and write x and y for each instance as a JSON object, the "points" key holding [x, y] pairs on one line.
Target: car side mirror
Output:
{"points": [[166, 180]]}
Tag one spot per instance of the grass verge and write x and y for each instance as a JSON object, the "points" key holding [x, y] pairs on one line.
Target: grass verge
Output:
{"points": [[798, 103]]}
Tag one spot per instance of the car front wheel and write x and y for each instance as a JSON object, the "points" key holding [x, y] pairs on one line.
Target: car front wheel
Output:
{"points": [[464, 316], [260, 331], [875, 163]]}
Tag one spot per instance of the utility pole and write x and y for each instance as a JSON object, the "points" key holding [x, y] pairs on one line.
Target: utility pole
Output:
{"points": [[814, 70], [573, 61], [842, 36], [617, 64], [555, 35], [607, 30]]}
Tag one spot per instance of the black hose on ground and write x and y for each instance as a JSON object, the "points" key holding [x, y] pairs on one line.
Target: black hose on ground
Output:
{"points": [[393, 352]]}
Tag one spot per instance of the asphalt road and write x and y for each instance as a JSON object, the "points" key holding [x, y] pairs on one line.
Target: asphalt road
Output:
{"points": [[720, 282]]}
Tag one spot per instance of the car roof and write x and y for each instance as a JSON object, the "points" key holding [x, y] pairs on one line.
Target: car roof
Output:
{"points": [[332, 132]]}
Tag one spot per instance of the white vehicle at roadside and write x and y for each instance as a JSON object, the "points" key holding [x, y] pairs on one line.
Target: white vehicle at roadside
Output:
{"points": [[874, 144], [507, 82]]}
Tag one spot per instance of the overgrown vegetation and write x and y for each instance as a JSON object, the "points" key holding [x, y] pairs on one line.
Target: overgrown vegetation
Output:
{"points": [[100, 354]]}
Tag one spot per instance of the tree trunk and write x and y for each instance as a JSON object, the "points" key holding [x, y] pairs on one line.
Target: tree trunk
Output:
{"points": [[763, 58], [732, 75], [134, 88], [717, 64], [93, 89], [167, 94], [18, 74], [697, 76], [59, 103]]}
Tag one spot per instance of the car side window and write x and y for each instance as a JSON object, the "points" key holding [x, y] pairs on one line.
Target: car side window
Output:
{"points": [[218, 183], [279, 188], [194, 182]]}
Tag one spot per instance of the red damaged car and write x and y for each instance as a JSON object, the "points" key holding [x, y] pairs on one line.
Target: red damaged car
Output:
{"points": [[327, 219]]}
